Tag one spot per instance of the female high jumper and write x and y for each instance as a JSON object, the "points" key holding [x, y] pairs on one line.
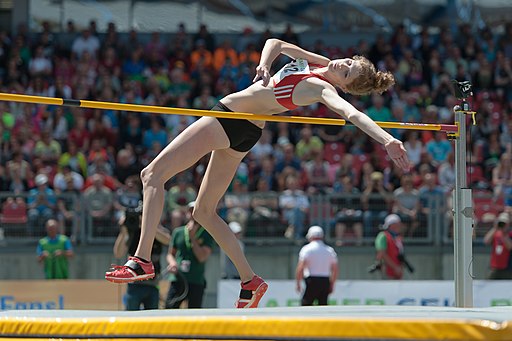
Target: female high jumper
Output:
{"points": [[308, 79]]}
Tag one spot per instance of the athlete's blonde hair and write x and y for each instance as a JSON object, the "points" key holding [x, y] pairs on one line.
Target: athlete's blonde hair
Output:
{"points": [[369, 79]]}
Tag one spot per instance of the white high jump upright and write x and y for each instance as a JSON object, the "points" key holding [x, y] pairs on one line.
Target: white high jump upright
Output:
{"points": [[462, 206]]}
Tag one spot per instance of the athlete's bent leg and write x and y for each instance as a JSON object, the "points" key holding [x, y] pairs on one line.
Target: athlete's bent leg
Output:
{"points": [[197, 140], [221, 169]]}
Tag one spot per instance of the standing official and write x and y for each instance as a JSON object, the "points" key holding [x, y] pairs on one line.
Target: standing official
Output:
{"points": [[318, 266]]}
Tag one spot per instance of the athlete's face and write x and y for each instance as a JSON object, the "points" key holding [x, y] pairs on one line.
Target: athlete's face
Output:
{"points": [[344, 71]]}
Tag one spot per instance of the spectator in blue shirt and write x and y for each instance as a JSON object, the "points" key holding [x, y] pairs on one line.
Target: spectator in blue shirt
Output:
{"points": [[155, 134], [439, 148]]}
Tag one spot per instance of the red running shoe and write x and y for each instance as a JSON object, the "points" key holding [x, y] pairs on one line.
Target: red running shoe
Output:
{"points": [[251, 293], [133, 270]]}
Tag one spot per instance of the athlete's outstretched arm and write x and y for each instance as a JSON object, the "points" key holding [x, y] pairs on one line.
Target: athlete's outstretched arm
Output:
{"points": [[274, 47], [394, 147]]}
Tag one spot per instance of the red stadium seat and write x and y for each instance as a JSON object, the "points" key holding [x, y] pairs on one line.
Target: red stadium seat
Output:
{"points": [[14, 212]]}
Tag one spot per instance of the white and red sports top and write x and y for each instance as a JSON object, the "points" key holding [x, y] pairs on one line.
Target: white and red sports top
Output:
{"points": [[286, 79]]}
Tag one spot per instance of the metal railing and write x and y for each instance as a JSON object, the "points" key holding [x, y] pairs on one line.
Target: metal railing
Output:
{"points": [[345, 219]]}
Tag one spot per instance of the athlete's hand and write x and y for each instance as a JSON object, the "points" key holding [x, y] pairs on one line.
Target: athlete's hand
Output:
{"points": [[398, 154], [263, 74]]}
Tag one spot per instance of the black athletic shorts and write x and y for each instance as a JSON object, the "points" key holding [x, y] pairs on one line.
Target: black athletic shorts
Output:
{"points": [[242, 134]]}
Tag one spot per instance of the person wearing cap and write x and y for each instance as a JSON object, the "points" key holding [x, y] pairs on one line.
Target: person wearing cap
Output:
{"points": [[227, 267], [389, 247], [41, 202], [318, 267], [189, 249], [500, 238]]}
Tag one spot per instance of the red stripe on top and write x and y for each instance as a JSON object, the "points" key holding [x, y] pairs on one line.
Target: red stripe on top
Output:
{"points": [[286, 97]]}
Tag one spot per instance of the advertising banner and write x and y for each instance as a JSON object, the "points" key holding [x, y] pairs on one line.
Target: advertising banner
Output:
{"points": [[61, 294], [282, 293]]}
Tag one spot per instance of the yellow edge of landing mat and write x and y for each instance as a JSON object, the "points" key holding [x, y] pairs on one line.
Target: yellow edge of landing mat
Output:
{"points": [[254, 328]]}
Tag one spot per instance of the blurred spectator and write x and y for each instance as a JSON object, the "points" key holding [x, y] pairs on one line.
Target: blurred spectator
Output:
{"points": [[58, 125], [14, 182], [204, 35], [263, 147], [53, 251], [237, 202], [131, 132], [99, 164], [376, 202], [156, 134], [228, 269], [223, 52], [98, 199], [201, 56], [389, 247], [439, 147], [79, 134], [406, 204], [127, 196], [191, 246], [289, 35], [414, 147], [20, 166], [60, 179], [499, 237], [86, 42], [317, 173], [378, 111], [68, 209], [294, 205], [41, 202], [289, 159], [318, 266], [134, 67], [132, 43], [307, 144], [74, 159], [265, 171], [48, 149], [126, 165], [40, 65], [392, 177], [432, 200], [155, 47], [205, 100], [347, 211], [264, 216], [250, 55], [502, 178]]}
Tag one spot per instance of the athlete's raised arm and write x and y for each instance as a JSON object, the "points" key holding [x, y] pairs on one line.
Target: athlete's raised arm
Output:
{"points": [[273, 48], [394, 147]]}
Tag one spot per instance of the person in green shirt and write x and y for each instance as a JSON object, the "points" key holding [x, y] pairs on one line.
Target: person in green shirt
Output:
{"points": [[190, 248], [53, 251]]}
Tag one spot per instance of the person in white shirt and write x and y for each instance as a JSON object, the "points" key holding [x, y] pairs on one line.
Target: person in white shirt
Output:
{"points": [[318, 266]]}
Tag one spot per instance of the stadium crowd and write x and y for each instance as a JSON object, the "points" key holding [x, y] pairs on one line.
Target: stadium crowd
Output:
{"points": [[49, 150]]}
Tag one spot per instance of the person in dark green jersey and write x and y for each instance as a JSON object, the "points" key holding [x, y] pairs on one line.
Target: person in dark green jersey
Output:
{"points": [[190, 247], [53, 251]]}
